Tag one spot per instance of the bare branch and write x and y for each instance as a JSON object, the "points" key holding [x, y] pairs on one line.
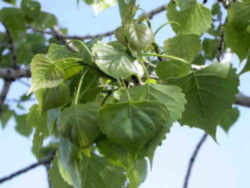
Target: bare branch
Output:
{"points": [[44, 161], [192, 160], [4, 93], [12, 74], [149, 15], [60, 36], [242, 100]]}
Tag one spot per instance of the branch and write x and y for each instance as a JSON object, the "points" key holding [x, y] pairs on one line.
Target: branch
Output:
{"points": [[242, 100], [60, 36], [12, 74], [151, 14], [12, 48], [4, 92], [44, 161], [192, 160]]}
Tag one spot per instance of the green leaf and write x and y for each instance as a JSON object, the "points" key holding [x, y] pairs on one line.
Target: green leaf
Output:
{"points": [[31, 9], [90, 87], [113, 152], [139, 36], [136, 169], [13, 19], [191, 19], [38, 120], [89, 172], [65, 59], [172, 69], [56, 179], [100, 5], [127, 10], [236, 28], [45, 73], [183, 46], [114, 61], [13, 2], [247, 66], [209, 92], [210, 47], [5, 115], [59, 52], [30, 45], [133, 124], [185, 4], [53, 97], [83, 52], [22, 126], [79, 123], [137, 172], [45, 20], [170, 96], [229, 117]]}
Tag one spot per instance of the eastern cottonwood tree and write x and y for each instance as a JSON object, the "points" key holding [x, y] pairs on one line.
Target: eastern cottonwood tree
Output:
{"points": [[106, 106]]}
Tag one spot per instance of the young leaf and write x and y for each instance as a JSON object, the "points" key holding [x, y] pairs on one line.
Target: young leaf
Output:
{"points": [[79, 124], [45, 73], [133, 124], [114, 61], [209, 92], [139, 36], [193, 18], [100, 5], [127, 10]]}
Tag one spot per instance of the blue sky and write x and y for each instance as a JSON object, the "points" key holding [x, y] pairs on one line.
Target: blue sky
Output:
{"points": [[223, 164]]}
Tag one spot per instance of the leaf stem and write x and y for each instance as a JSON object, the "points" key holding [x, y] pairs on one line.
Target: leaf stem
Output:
{"points": [[79, 86], [167, 56]]}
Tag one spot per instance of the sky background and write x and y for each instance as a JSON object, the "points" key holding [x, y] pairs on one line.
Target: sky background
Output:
{"points": [[225, 164]]}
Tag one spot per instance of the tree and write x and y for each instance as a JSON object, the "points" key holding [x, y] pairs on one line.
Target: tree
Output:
{"points": [[109, 105]]}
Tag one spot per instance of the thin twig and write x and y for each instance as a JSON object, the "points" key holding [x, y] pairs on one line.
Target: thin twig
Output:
{"points": [[221, 45], [44, 161], [192, 160], [48, 166]]}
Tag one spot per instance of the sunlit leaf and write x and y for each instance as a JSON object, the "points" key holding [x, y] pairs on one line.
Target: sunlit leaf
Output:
{"points": [[188, 19]]}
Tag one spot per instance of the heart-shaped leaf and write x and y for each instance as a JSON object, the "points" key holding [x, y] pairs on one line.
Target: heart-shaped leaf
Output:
{"points": [[79, 123]]}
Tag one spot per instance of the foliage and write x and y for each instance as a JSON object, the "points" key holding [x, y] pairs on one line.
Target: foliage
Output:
{"points": [[109, 105]]}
